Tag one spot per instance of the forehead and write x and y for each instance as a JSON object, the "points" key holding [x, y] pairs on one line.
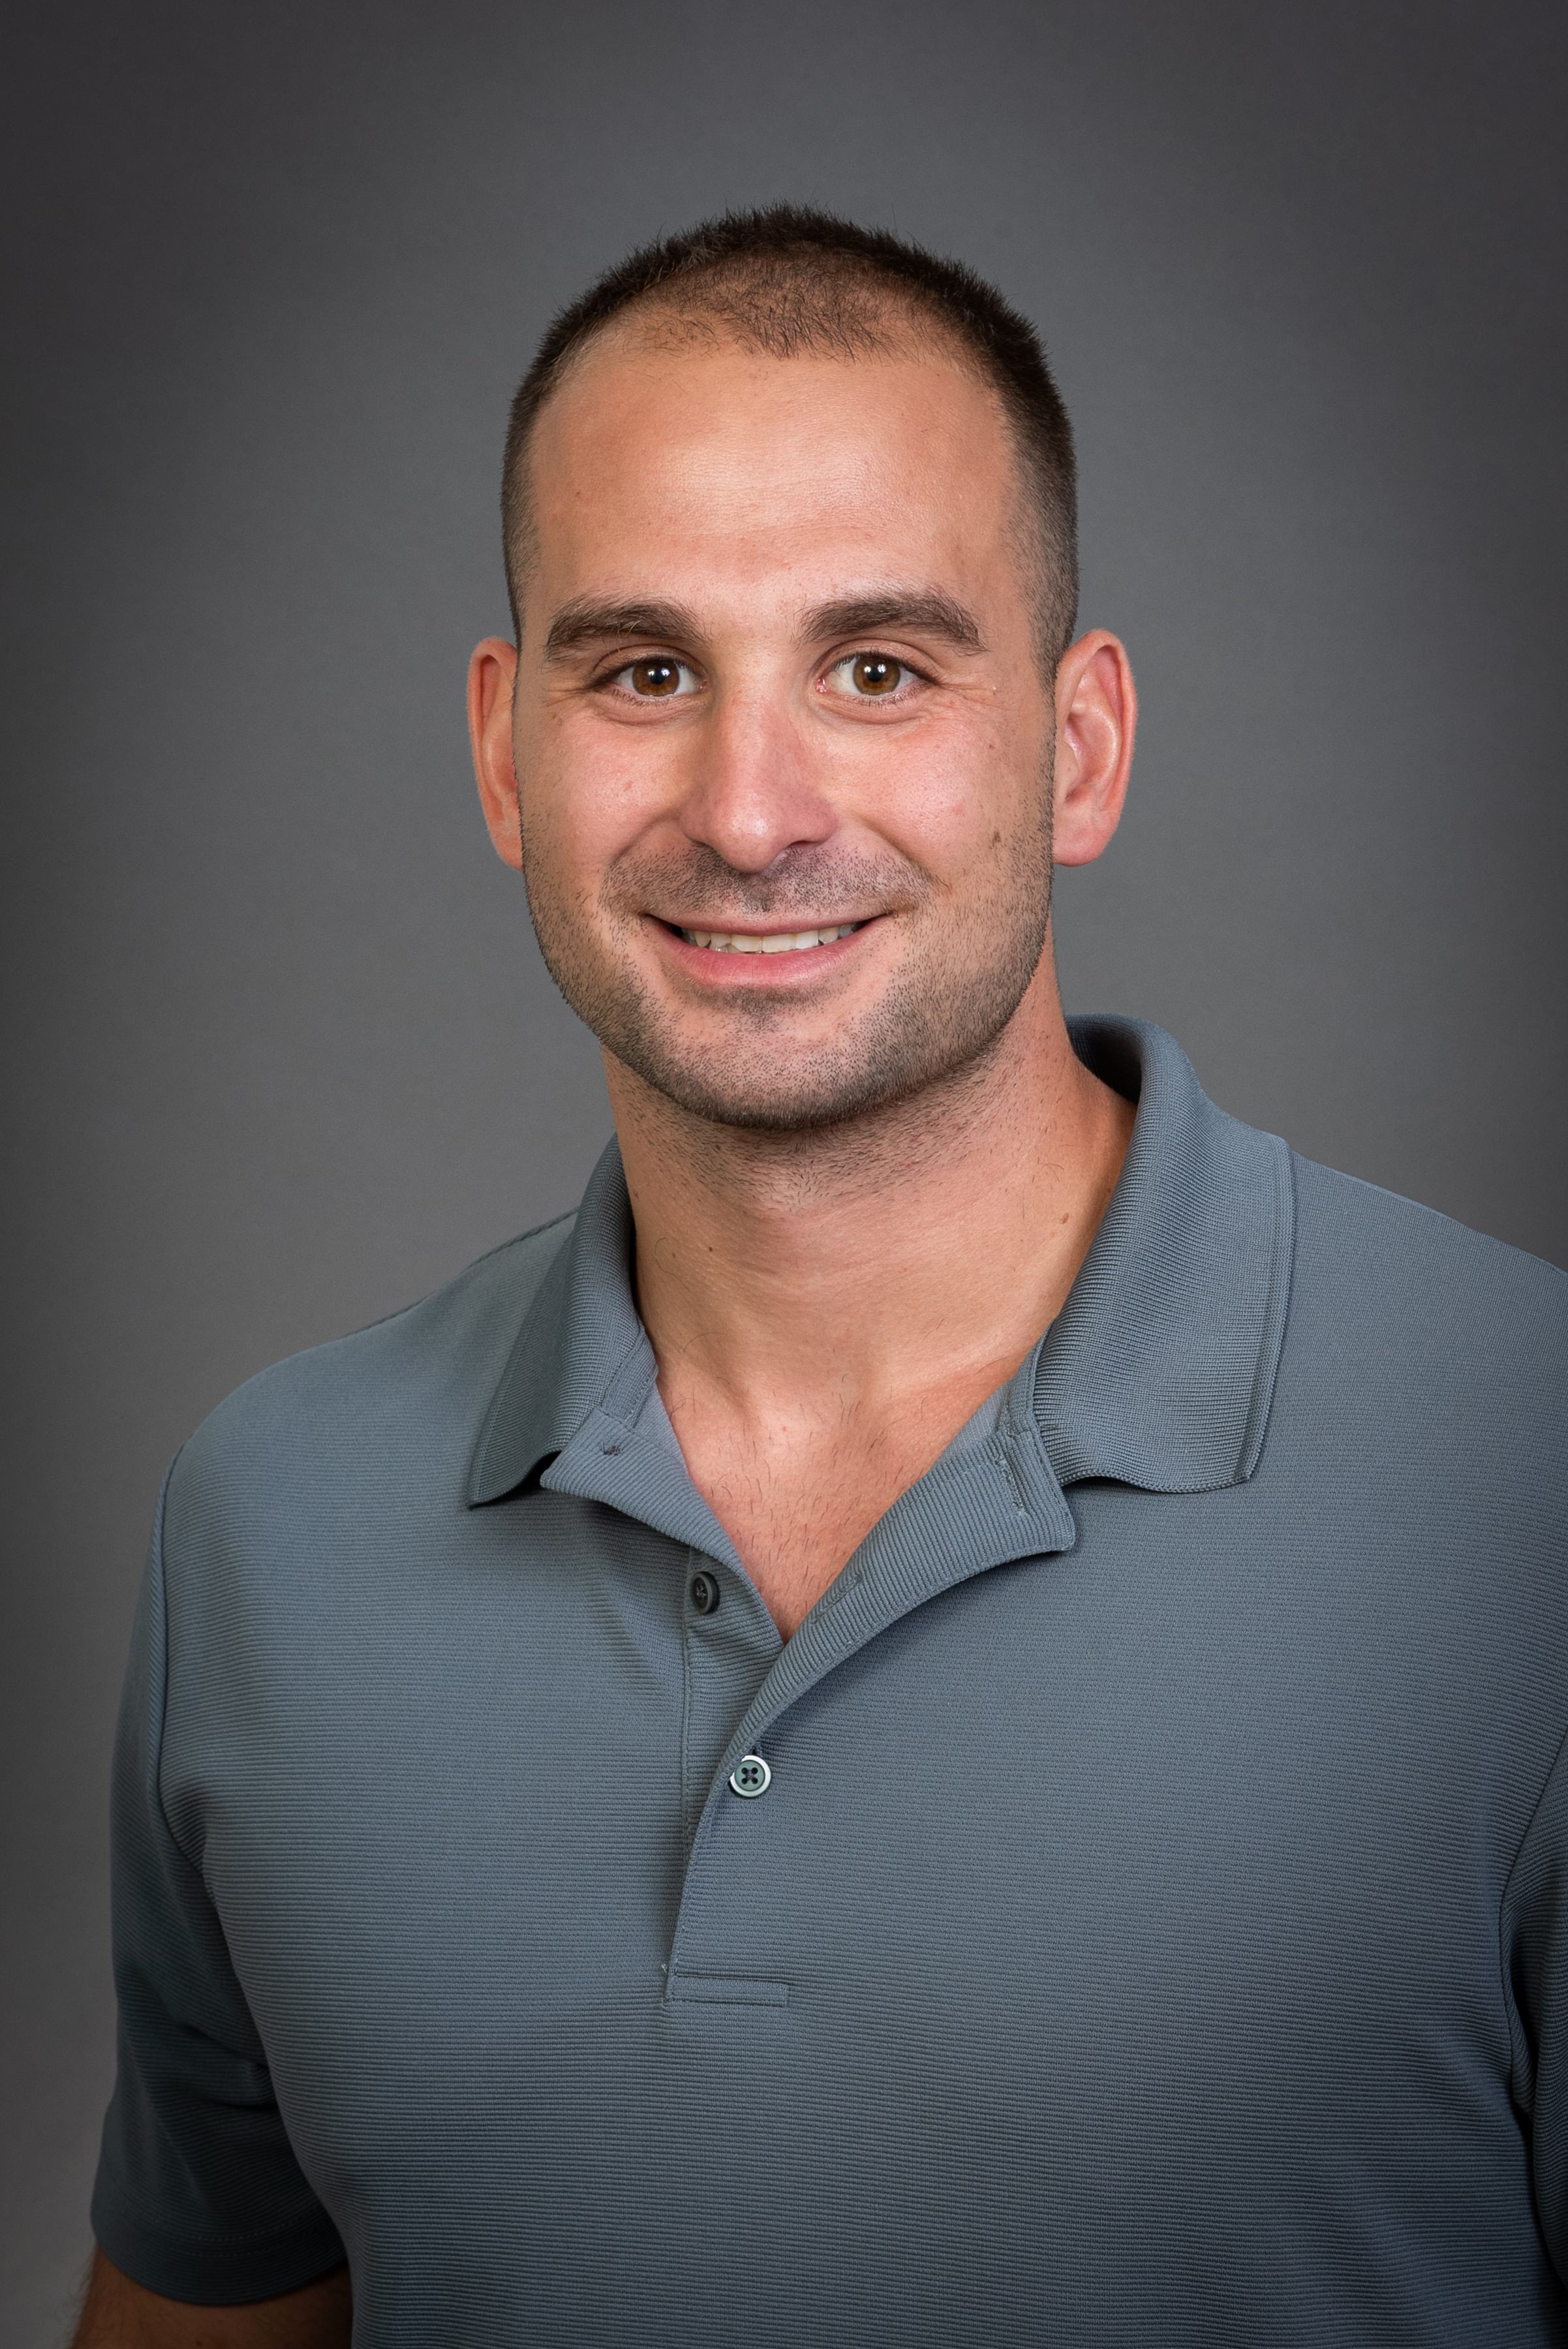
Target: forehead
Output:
{"points": [[711, 453]]}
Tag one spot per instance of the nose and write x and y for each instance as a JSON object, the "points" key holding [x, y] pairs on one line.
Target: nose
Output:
{"points": [[752, 791]]}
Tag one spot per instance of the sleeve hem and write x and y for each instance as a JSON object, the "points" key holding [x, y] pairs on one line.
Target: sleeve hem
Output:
{"points": [[213, 2275]]}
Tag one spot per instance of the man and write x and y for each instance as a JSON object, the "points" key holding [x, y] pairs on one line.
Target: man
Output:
{"points": [[935, 1721]]}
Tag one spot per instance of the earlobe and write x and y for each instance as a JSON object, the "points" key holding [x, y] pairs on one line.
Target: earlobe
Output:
{"points": [[1096, 719], [492, 683]]}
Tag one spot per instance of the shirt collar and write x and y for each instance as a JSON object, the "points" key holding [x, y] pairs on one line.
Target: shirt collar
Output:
{"points": [[1158, 1372]]}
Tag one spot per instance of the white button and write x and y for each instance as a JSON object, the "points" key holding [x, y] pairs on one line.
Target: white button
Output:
{"points": [[751, 1775]]}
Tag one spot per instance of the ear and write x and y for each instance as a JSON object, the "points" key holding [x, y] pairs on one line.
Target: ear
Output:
{"points": [[491, 680], [1096, 717]]}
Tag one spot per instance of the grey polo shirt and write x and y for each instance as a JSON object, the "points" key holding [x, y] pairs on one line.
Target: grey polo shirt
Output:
{"points": [[1152, 1927]]}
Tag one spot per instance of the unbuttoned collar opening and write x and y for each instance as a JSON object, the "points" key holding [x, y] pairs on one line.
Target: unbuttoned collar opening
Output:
{"points": [[1158, 1372]]}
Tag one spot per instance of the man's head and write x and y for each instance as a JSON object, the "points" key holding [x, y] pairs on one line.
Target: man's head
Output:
{"points": [[794, 283], [779, 548]]}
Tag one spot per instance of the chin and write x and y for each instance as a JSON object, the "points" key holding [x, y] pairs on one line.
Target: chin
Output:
{"points": [[776, 1108], [810, 1098], [927, 1034]]}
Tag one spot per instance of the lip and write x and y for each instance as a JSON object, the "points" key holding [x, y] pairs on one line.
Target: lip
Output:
{"points": [[717, 966]]}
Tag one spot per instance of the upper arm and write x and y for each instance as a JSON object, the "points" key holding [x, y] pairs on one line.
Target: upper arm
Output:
{"points": [[199, 2190]]}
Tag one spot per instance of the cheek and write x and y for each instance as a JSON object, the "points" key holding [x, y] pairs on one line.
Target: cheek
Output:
{"points": [[585, 796], [955, 801]]}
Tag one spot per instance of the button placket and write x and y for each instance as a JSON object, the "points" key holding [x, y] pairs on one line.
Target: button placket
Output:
{"points": [[728, 1645], [995, 1500]]}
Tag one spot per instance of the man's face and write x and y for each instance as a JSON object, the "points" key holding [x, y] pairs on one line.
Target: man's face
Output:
{"points": [[782, 737]]}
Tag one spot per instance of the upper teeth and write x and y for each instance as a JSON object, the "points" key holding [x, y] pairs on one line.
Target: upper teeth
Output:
{"points": [[780, 942]]}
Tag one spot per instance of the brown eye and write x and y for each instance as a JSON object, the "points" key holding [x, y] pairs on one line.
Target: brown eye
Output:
{"points": [[872, 676], [656, 677]]}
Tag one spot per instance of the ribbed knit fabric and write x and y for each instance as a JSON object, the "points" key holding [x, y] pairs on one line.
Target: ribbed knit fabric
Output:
{"points": [[1153, 1931]]}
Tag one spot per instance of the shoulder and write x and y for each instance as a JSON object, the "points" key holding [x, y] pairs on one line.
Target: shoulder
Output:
{"points": [[411, 1388], [1380, 1254], [1448, 1340]]}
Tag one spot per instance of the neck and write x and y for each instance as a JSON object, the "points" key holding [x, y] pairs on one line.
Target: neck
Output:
{"points": [[918, 1250]]}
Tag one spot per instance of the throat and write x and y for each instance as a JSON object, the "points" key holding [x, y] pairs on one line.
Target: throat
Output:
{"points": [[797, 1493]]}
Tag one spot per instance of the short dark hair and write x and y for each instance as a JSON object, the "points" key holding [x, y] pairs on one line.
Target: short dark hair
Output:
{"points": [[790, 279]]}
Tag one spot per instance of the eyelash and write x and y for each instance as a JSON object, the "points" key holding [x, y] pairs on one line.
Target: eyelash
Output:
{"points": [[612, 679], [910, 674]]}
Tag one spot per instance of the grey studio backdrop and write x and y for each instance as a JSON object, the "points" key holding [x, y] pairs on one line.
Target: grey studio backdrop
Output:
{"points": [[282, 1053]]}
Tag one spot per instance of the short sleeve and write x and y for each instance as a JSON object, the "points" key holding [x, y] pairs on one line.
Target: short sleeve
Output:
{"points": [[1535, 1979], [199, 2195]]}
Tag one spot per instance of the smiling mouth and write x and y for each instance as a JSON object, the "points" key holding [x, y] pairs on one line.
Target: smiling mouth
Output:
{"points": [[774, 942]]}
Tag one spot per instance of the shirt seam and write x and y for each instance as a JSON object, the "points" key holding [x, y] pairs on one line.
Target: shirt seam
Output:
{"points": [[687, 1817], [154, 2222]]}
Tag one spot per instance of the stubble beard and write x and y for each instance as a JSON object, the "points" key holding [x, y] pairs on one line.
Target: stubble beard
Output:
{"points": [[940, 1016]]}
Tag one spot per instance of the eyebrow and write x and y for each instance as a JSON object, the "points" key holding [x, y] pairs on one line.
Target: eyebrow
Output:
{"points": [[923, 610], [587, 620]]}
